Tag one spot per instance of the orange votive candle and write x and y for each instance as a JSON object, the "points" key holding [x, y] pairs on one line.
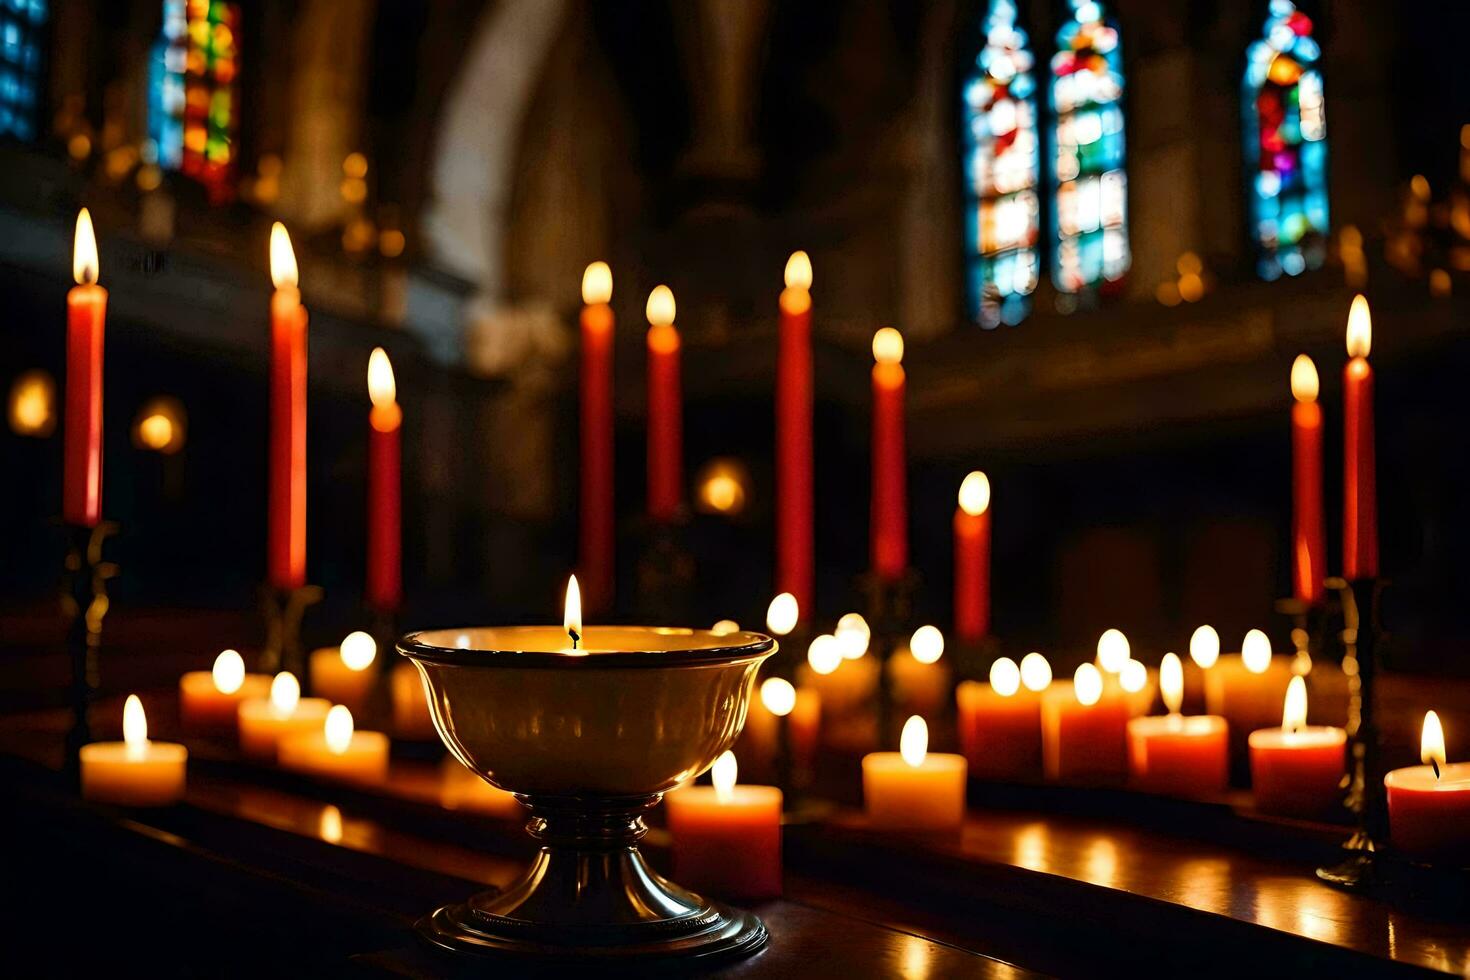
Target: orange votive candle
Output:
{"points": [[264, 721], [1084, 729], [1297, 770], [919, 681], [1175, 754], [411, 718], [913, 788], [1000, 722], [1429, 805], [1246, 689], [135, 771], [337, 751], [209, 700], [344, 674], [709, 825], [86, 317]]}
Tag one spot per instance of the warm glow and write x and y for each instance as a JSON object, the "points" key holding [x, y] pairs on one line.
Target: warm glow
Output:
{"points": [[799, 271], [1112, 651], [1005, 677], [381, 387], [135, 726], [781, 614], [1294, 712], [155, 431], [723, 774], [1087, 684], [84, 265], [33, 404], [888, 346], [975, 494], [825, 654], [338, 730], [1359, 328], [1304, 382], [1171, 682], [853, 635], [285, 693], [1431, 742], [1133, 676], [1035, 672], [597, 283], [358, 650], [722, 486], [329, 826], [913, 744], [160, 425], [778, 695], [1204, 647], [228, 672], [283, 258], [725, 627], [661, 306], [927, 644], [1255, 652], [571, 619]]}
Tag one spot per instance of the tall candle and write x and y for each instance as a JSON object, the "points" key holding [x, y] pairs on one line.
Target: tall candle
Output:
{"points": [[135, 771], [1247, 688], [914, 789], [889, 531], [86, 317], [794, 524], [665, 410], [709, 824], [287, 517], [596, 530], [1359, 478], [972, 559], [1297, 770], [1308, 545], [385, 487], [1429, 805]]}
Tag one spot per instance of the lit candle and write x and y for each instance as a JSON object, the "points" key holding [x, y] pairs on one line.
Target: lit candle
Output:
{"points": [[1174, 754], [287, 553], [135, 771], [794, 534], [340, 674], [1000, 722], [263, 721], [411, 719], [1359, 481], [86, 318], [914, 789], [782, 614], [920, 683], [1246, 689], [1429, 805], [209, 699], [385, 487], [337, 751], [665, 410], [1204, 652], [1308, 545], [1297, 770], [972, 559], [843, 684], [596, 527], [1084, 729], [709, 824], [889, 531]]}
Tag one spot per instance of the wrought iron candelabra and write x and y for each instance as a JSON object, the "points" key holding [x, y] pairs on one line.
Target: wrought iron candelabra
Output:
{"points": [[84, 604]]}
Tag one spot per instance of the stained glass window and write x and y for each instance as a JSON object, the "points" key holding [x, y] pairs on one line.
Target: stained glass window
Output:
{"points": [[1286, 145], [1091, 210], [20, 66], [192, 111], [1001, 166]]}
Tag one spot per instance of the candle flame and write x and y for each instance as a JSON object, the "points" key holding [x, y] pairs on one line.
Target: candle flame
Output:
{"points": [[338, 729], [975, 494], [1035, 672], [382, 389], [135, 726], [1204, 647], [1005, 677], [1294, 711], [358, 650], [597, 283], [778, 695], [1087, 684], [283, 258], [853, 636], [1359, 328], [725, 627], [1255, 652], [799, 271], [927, 644], [84, 264], [913, 744], [1132, 676], [888, 346], [1113, 650], [723, 774], [228, 672], [285, 693], [1431, 742], [329, 826], [782, 613], [1304, 382], [1171, 682], [660, 307], [825, 654], [571, 619]]}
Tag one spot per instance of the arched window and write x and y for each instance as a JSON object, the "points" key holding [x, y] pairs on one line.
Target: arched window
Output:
{"points": [[1286, 145], [1091, 211], [21, 23], [192, 113], [1001, 167]]}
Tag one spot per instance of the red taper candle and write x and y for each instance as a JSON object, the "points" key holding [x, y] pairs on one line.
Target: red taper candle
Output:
{"points": [[889, 534], [665, 410], [972, 559], [86, 317], [597, 530], [1308, 539], [1359, 478], [794, 527], [385, 487], [286, 558]]}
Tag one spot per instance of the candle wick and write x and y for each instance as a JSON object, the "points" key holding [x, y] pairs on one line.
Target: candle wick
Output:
{"points": [[1435, 764], [575, 637]]}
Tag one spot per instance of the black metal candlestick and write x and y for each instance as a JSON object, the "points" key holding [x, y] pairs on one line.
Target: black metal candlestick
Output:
{"points": [[283, 610], [84, 603]]}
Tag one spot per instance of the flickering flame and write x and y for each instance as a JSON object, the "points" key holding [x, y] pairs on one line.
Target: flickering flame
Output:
{"points": [[1431, 742], [1087, 684], [1171, 682], [725, 627], [228, 672], [781, 614], [1359, 328], [853, 636], [661, 306], [888, 346], [975, 494], [84, 265], [1255, 652], [1133, 676], [358, 650], [799, 271], [1294, 712], [723, 774], [135, 727], [913, 744], [1112, 651], [1204, 647], [571, 619], [156, 431], [1304, 382], [381, 387], [283, 258], [1035, 672], [597, 283], [338, 729], [927, 644], [778, 696], [1005, 677], [329, 826], [285, 693], [825, 654]]}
